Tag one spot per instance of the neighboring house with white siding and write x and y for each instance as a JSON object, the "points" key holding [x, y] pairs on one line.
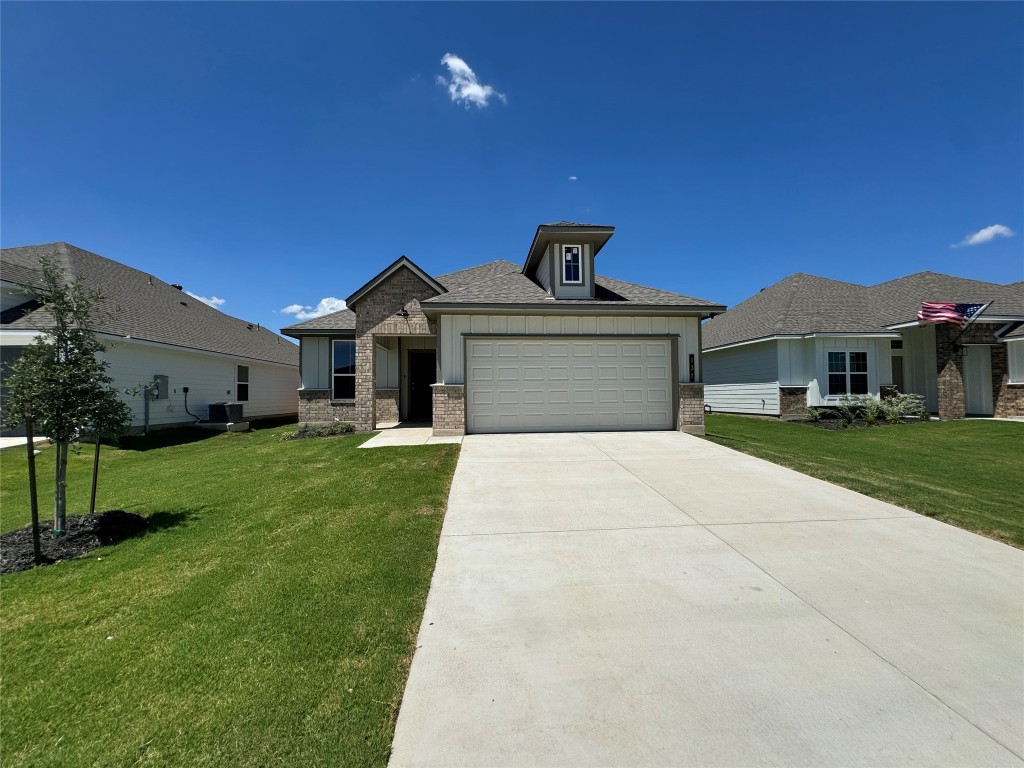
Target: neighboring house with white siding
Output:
{"points": [[546, 346], [155, 332], [807, 341]]}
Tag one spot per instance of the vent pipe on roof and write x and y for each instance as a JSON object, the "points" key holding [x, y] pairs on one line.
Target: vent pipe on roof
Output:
{"points": [[176, 285]]}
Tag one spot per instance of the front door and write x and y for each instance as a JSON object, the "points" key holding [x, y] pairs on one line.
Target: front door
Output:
{"points": [[978, 380], [422, 373]]}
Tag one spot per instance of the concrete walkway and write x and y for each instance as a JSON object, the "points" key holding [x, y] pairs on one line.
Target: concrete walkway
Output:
{"points": [[397, 433], [19, 442], [658, 600]]}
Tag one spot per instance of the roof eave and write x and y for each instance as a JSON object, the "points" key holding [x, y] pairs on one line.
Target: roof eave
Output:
{"points": [[297, 333], [552, 307]]}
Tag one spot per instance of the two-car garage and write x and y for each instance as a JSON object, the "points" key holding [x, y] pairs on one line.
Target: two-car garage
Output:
{"points": [[566, 383]]}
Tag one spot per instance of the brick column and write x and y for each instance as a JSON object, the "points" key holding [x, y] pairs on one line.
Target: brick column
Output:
{"points": [[449, 409], [691, 409], [366, 383], [950, 372], [792, 403]]}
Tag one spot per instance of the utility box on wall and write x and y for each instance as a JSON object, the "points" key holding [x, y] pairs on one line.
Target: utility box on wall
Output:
{"points": [[160, 390]]}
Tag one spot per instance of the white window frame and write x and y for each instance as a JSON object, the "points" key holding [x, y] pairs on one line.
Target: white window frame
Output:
{"points": [[565, 263], [239, 383], [846, 352], [1015, 361], [335, 376]]}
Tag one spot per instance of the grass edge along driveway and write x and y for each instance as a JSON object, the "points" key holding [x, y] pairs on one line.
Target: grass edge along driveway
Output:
{"points": [[967, 473], [272, 624]]}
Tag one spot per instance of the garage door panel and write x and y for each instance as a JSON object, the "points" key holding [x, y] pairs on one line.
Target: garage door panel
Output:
{"points": [[563, 384]]}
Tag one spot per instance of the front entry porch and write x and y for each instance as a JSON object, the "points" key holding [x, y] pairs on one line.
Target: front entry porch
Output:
{"points": [[405, 367]]}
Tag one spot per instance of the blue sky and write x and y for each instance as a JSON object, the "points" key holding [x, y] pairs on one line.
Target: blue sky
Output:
{"points": [[280, 154]]}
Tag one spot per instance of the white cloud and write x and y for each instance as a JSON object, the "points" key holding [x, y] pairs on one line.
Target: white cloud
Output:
{"points": [[986, 235], [572, 178], [463, 85], [324, 307], [213, 301]]}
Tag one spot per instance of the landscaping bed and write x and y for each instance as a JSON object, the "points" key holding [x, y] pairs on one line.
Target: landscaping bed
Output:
{"points": [[84, 533]]}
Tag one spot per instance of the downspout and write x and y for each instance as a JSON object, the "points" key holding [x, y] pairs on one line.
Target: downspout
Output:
{"points": [[145, 410]]}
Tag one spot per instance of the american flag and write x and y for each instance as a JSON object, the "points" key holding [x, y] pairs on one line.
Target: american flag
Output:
{"points": [[948, 312]]}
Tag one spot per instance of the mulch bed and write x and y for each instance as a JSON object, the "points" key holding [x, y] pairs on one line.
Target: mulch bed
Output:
{"points": [[84, 534]]}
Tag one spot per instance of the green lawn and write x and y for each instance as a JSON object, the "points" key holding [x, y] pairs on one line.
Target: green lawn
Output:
{"points": [[268, 620], [968, 473]]}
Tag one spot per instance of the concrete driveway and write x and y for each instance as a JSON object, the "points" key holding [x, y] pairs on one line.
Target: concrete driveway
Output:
{"points": [[653, 599]]}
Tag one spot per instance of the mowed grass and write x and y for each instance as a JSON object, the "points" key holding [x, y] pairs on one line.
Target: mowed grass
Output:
{"points": [[967, 473], [270, 622]]}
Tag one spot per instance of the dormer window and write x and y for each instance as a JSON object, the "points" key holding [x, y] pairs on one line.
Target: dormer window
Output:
{"points": [[572, 264]]}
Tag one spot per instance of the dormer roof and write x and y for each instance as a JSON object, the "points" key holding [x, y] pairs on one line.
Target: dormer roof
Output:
{"points": [[596, 234]]}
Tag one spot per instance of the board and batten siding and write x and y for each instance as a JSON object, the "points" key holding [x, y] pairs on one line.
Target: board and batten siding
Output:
{"points": [[451, 329], [920, 364], [743, 379], [879, 365], [209, 377], [315, 365]]}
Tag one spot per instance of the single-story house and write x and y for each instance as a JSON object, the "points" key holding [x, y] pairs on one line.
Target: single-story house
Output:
{"points": [[155, 333], [807, 341], [543, 347]]}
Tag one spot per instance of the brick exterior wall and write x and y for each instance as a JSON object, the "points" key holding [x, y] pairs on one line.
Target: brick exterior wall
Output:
{"points": [[315, 405], [792, 402], [449, 409], [1007, 399], [691, 409], [376, 316], [387, 405]]}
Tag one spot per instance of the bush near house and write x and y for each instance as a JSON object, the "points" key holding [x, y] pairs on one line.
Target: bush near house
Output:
{"points": [[267, 616], [966, 473]]}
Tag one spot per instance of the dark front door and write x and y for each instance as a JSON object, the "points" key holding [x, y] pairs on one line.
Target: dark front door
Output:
{"points": [[422, 373]]}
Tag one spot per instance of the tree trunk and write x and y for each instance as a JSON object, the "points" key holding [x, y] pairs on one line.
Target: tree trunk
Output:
{"points": [[60, 497], [37, 552], [95, 476]]}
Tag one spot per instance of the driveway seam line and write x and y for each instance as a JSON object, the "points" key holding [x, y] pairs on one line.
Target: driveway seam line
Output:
{"points": [[818, 610]]}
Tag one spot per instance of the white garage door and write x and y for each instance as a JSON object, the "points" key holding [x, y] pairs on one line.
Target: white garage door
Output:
{"points": [[567, 384]]}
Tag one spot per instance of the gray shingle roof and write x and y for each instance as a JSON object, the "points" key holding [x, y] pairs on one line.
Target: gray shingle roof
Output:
{"points": [[801, 304], [342, 320], [502, 282], [141, 306]]}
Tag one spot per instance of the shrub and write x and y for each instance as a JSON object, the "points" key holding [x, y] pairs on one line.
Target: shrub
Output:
{"points": [[900, 406], [813, 413], [873, 410], [850, 408], [306, 430]]}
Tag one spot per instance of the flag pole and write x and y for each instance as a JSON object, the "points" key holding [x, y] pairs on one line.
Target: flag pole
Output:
{"points": [[974, 317]]}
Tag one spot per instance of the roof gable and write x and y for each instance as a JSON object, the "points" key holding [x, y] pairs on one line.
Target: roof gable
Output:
{"points": [[402, 262]]}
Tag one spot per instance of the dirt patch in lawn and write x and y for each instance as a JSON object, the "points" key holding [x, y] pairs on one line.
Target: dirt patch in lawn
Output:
{"points": [[84, 534]]}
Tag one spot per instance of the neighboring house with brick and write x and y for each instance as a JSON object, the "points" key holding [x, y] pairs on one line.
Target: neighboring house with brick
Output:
{"points": [[155, 332], [546, 346], [807, 341]]}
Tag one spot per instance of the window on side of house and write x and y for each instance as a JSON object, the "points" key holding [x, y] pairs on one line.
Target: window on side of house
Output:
{"points": [[847, 373], [242, 383], [343, 355], [1015, 361], [572, 264]]}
